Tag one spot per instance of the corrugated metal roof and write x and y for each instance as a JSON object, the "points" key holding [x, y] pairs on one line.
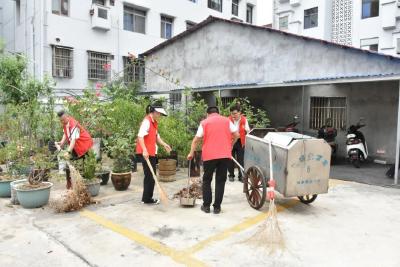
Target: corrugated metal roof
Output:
{"points": [[358, 76]]}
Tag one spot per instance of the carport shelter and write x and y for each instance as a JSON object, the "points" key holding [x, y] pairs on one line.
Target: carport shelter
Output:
{"points": [[286, 74]]}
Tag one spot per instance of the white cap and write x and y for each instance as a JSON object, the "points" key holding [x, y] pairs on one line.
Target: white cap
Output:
{"points": [[161, 110]]}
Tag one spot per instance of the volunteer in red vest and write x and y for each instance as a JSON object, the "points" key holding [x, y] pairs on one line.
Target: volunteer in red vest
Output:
{"points": [[242, 125], [78, 139], [218, 134], [146, 144]]}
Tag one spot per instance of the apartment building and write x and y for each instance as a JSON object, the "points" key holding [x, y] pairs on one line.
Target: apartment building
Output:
{"points": [[82, 42], [366, 24]]}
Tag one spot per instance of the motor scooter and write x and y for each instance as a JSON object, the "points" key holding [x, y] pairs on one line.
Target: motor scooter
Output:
{"points": [[329, 133], [356, 146], [291, 127]]}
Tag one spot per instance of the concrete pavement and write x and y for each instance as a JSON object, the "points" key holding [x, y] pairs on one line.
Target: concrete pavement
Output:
{"points": [[353, 225]]}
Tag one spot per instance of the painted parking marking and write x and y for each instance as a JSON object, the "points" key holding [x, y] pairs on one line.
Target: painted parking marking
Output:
{"points": [[186, 256], [176, 255]]}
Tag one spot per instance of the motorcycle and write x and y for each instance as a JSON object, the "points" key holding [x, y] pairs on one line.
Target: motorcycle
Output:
{"points": [[357, 150], [329, 133], [291, 127]]}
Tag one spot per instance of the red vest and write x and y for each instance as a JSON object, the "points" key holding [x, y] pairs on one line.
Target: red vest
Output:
{"points": [[217, 139], [84, 142], [150, 139], [242, 128]]}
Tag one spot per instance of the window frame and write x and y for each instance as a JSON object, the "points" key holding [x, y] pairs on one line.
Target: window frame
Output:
{"points": [[68, 69], [164, 21], [60, 11], [134, 71], [249, 19], [235, 5], [371, 9], [216, 5], [135, 12], [329, 107], [287, 23], [99, 72], [309, 17]]}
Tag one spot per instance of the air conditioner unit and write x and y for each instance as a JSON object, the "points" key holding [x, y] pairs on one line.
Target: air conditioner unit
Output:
{"points": [[100, 17]]}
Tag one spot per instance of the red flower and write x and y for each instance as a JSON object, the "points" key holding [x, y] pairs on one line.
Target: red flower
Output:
{"points": [[107, 67]]}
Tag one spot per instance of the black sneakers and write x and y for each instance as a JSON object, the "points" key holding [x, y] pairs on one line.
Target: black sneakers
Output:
{"points": [[231, 178], [152, 202], [205, 209], [217, 210]]}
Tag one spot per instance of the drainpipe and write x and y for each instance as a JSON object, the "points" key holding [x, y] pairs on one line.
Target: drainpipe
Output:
{"points": [[302, 109], [396, 164]]}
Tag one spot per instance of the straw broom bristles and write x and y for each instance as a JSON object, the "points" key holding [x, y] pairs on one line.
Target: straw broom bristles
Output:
{"points": [[74, 199]]}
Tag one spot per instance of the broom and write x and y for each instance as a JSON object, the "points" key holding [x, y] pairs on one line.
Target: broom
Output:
{"points": [[74, 199], [161, 192], [269, 235]]}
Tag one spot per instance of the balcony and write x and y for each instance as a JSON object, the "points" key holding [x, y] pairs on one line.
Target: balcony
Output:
{"points": [[100, 17], [295, 2]]}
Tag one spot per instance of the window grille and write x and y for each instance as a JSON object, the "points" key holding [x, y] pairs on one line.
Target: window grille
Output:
{"points": [[62, 66], [99, 66], [322, 108]]}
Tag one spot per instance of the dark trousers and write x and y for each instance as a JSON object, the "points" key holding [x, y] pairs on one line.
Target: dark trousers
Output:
{"points": [[238, 154], [148, 182], [74, 157], [220, 166]]}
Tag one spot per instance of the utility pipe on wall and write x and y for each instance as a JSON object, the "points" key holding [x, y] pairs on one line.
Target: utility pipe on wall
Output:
{"points": [[396, 164]]}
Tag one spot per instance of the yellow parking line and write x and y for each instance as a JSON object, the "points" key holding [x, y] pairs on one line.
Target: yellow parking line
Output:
{"points": [[238, 228], [176, 255]]}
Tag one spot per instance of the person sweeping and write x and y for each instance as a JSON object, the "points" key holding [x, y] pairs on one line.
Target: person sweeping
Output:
{"points": [[218, 134], [146, 146], [78, 139], [243, 127]]}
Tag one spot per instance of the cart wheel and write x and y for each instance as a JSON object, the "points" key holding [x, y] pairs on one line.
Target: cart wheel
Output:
{"points": [[255, 187], [307, 199]]}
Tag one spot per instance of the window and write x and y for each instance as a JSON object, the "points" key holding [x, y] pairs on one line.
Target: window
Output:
{"points": [[18, 11], [99, 2], [62, 66], [133, 70], [311, 18], [175, 100], [227, 100], [189, 24], [369, 44], [249, 14], [322, 108], [370, 8], [60, 7], [215, 4], [235, 7], [166, 27], [99, 66], [284, 23], [134, 20], [398, 46]]}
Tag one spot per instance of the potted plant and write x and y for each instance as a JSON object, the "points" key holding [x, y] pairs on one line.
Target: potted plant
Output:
{"points": [[33, 195], [88, 168], [43, 163], [102, 174], [5, 181], [120, 148]]}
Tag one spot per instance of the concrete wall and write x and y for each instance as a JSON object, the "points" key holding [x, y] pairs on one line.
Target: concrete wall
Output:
{"points": [[203, 58], [377, 102]]}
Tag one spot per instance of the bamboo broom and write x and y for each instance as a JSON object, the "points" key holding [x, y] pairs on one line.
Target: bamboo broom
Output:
{"points": [[161, 191]]}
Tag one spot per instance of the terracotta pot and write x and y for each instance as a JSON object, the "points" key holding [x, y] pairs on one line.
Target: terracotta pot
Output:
{"points": [[121, 181]]}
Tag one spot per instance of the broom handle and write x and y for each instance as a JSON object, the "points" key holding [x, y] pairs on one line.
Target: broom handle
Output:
{"points": [[152, 171], [270, 162]]}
